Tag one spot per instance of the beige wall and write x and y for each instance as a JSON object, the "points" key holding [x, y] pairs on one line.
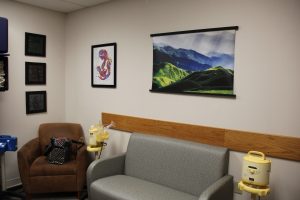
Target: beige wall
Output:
{"points": [[266, 78], [13, 118], [266, 71]]}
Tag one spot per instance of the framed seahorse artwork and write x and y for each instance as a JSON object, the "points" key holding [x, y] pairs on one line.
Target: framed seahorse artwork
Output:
{"points": [[104, 65]]}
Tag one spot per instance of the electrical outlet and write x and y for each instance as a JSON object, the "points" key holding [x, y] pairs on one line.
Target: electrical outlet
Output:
{"points": [[236, 188]]}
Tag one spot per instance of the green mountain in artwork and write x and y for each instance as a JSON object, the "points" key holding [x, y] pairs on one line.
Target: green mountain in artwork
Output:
{"points": [[166, 74], [230, 71], [213, 80]]}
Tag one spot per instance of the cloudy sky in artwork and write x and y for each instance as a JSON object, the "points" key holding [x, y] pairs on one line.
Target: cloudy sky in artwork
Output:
{"points": [[207, 43]]}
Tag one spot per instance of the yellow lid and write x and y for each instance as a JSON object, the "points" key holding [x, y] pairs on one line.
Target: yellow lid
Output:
{"points": [[96, 128], [93, 129], [256, 157]]}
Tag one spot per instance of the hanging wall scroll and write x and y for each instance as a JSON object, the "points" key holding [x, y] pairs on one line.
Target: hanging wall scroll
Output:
{"points": [[194, 62]]}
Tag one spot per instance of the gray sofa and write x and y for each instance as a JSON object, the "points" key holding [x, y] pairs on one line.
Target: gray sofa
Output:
{"points": [[160, 168]]}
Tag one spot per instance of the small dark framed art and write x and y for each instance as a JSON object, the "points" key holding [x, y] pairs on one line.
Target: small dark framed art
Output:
{"points": [[35, 44], [104, 65], [36, 102], [35, 73], [3, 73]]}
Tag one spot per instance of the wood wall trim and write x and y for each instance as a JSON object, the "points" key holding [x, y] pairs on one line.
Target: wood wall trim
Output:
{"points": [[272, 145]]}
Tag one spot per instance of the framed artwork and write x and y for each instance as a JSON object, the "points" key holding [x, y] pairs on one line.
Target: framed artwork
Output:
{"points": [[35, 73], [35, 44], [197, 62], [36, 102], [3, 73], [104, 65]]}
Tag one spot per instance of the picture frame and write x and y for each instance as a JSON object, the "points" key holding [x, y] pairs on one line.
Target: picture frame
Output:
{"points": [[3, 73], [36, 102], [35, 73], [35, 44], [194, 62], [104, 65]]}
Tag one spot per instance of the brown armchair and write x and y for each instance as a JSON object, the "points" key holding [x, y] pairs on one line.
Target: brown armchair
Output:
{"points": [[38, 176]]}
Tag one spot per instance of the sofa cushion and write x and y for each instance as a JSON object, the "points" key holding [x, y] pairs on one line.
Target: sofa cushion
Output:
{"points": [[182, 165], [41, 167], [123, 187]]}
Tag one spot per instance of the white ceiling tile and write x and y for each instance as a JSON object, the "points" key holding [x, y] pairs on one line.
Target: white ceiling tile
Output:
{"points": [[65, 6], [86, 2]]}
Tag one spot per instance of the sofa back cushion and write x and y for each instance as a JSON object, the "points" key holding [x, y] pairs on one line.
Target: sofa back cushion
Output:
{"points": [[182, 165]]}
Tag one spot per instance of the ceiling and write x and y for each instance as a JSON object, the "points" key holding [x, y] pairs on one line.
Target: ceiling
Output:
{"points": [[64, 6]]}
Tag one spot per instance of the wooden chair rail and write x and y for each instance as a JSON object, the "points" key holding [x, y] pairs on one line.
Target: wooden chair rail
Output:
{"points": [[272, 145]]}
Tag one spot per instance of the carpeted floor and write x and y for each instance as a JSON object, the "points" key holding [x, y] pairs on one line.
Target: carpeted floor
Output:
{"points": [[52, 196]]}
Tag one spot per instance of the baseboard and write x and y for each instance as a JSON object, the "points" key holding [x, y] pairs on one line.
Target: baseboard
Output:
{"points": [[13, 183]]}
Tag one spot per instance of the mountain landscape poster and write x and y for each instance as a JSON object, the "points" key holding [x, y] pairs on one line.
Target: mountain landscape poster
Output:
{"points": [[194, 62]]}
